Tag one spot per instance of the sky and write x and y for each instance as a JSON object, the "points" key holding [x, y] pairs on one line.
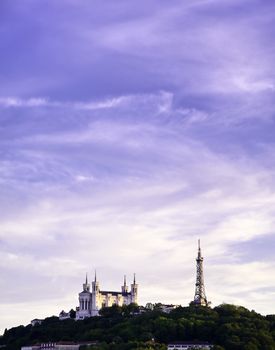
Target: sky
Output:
{"points": [[128, 130]]}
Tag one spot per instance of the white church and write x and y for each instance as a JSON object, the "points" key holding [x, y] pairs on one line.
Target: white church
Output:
{"points": [[90, 302]]}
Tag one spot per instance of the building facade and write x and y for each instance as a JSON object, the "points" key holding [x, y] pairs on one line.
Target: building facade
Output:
{"points": [[36, 321], [189, 346], [91, 301], [53, 346], [64, 315]]}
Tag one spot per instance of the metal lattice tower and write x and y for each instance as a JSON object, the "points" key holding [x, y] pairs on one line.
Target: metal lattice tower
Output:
{"points": [[200, 297]]}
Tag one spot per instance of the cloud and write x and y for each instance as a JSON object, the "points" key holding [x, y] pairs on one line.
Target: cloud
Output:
{"points": [[83, 178], [18, 102], [156, 129], [162, 102], [195, 42], [109, 103], [254, 86], [42, 102], [129, 196]]}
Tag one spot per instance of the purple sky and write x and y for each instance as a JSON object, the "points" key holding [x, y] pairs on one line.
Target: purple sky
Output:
{"points": [[127, 131]]}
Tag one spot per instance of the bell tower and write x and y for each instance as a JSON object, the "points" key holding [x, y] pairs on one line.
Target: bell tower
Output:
{"points": [[124, 288], [134, 291], [84, 309], [95, 297], [86, 285]]}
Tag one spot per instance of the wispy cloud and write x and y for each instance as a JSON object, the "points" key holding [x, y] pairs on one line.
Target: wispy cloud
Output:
{"points": [[43, 102], [18, 102], [152, 126]]}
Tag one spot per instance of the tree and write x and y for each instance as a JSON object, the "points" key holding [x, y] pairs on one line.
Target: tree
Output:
{"points": [[72, 313]]}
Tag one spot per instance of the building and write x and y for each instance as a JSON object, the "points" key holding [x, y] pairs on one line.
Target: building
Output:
{"points": [[189, 346], [36, 321], [166, 308], [57, 346], [64, 315], [90, 302]]}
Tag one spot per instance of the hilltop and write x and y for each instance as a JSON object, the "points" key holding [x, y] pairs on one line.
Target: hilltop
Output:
{"points": [[227, 326]]}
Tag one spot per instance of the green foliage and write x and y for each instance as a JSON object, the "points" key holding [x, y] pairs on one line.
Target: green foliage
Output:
{"points": [[229, 327]]}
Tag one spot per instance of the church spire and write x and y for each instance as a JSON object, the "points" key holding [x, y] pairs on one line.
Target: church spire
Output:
{"points": [[134, 291], [124, 288], [86, 286], [95, 285]]}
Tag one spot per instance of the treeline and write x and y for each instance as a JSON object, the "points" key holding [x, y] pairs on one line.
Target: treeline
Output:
{"points": [[228, 327]]}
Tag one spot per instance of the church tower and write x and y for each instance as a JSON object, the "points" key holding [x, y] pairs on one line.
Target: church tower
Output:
{"points": [[134, 291], [124, 288], [84, 309], [95, 297], [200, 297], [86, 285]]}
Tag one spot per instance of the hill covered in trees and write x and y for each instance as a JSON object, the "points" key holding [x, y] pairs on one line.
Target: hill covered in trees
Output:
{"points": [[120, 328]]}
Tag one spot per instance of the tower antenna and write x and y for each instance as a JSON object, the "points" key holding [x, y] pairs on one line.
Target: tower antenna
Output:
{"points": [[200, 296]]}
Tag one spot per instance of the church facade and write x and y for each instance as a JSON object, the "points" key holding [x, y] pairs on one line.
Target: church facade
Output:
{"points": [[91, 301]]}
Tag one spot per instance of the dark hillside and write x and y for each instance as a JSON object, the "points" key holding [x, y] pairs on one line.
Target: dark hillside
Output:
{"points": [[229, 327]]}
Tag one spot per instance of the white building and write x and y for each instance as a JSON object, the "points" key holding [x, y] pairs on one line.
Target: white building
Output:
{"points": [[57, 346], [90, 302], [189, 346], [168, 308], [36, 321], [64, 315]]}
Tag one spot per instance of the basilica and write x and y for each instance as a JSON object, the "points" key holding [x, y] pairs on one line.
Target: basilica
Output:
{"points": [[91, 301]]}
